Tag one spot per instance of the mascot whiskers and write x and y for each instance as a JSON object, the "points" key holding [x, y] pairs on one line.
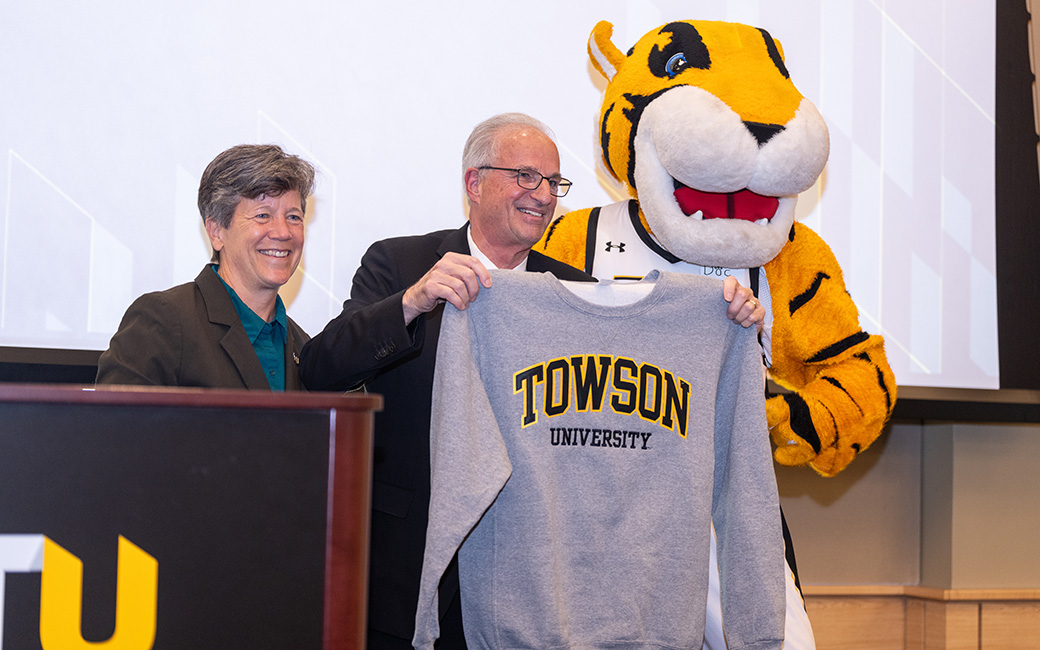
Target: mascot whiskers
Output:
{"points": [[703, 125]]}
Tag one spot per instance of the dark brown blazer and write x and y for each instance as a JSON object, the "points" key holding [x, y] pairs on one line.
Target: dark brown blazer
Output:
{"points": [[191, 335]]}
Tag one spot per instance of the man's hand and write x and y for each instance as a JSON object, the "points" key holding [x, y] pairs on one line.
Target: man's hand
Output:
{"points": [[454, 278], [744, 309]]}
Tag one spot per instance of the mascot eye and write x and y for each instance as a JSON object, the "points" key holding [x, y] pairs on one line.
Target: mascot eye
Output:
{"points": [[676, 64]]}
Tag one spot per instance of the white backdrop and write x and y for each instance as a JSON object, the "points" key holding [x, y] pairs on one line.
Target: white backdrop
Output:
{"points": [[110, 110]]}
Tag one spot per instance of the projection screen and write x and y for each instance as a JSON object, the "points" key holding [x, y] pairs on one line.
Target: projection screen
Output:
{"points": [[110, 110]]}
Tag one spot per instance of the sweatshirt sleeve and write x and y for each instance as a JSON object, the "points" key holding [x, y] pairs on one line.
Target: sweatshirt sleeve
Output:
{"points": [[745, 507], [468, 458]]}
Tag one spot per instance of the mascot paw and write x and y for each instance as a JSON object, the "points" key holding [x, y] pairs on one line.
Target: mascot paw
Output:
{"points": [[791, 449], [794, 454], [799, 441]]}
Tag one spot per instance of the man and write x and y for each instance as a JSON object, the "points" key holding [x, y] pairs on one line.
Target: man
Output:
{"points": [[386, 340]]}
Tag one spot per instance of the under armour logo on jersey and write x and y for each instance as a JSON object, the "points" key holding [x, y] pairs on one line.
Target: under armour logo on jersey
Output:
{"points": [[619, 246]]}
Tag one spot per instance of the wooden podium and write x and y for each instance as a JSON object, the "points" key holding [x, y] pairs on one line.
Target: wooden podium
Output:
{"points": [[254, 507]]}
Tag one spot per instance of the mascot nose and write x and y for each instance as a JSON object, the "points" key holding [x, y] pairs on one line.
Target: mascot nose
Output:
{"points": [[763, 132]]}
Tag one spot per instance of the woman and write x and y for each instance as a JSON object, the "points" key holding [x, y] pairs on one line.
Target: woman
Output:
{"points": [[228, 328]]}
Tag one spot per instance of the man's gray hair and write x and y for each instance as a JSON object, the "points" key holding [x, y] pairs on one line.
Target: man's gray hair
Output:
{"points": [[482, 145], [248, 171]]}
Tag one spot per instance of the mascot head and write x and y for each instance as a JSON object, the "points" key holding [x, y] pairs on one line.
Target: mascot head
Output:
{"points": [[702, 123]]}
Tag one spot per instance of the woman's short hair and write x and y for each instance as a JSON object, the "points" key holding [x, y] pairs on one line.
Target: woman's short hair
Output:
{"points": [[482, 145], [248, 171]]}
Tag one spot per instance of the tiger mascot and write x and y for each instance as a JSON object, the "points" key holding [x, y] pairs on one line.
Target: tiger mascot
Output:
{"points": [[702, 124]]}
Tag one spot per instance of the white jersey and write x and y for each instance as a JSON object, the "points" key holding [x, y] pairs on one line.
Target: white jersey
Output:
{"points": [[623, 249], [620, 248]]}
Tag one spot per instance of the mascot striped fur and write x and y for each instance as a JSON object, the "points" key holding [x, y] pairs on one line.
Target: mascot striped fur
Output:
{"points": [[702, 124]]}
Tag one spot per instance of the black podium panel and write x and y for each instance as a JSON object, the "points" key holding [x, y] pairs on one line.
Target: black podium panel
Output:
{"points": [[231, 504]]}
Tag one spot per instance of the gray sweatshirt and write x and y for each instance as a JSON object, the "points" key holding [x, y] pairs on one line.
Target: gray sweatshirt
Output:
{"points": [[580, 452]]}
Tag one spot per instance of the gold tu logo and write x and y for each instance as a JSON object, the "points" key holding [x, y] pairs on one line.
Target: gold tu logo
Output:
{"points": [[61, 593]]}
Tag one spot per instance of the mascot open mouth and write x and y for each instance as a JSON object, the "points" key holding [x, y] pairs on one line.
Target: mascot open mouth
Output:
{"points": [[745, 204]]}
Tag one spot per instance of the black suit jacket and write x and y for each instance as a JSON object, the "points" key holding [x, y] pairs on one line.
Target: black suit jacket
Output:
{"points": [[368, 344], [191, 335]]}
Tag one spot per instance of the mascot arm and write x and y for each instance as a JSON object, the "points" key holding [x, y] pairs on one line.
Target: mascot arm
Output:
{"points": [[842, 388], [565, 238]]}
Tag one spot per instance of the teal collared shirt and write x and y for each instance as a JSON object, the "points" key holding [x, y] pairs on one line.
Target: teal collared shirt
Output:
{"points": [[268, 339]]}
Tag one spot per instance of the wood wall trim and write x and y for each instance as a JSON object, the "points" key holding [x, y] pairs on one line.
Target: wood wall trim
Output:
{"points": [[923, 593]]}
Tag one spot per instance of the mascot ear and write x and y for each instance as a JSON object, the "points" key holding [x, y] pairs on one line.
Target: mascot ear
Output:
{"points": [[605, 57]]}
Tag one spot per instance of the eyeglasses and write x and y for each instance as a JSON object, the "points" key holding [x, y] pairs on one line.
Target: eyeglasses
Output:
{"points": [[530, 180]]}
